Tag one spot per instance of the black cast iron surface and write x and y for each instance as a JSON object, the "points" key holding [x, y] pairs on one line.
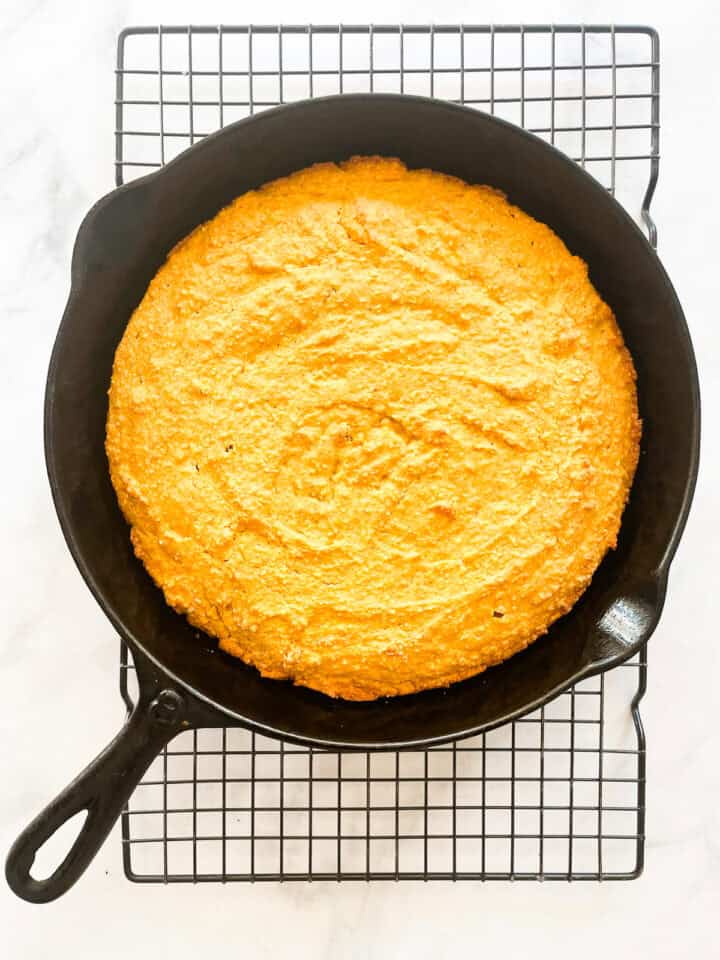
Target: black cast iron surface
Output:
{"points": [[125, 239], [120, 246]]}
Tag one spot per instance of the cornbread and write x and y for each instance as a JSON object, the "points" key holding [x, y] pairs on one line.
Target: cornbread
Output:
{"points": [[372, 428]]}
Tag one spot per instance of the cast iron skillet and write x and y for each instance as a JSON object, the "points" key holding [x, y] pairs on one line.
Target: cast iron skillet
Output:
{"points": [[185, 681]]}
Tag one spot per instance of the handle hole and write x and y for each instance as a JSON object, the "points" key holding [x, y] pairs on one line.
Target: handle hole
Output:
{"points": [[52, 853]]}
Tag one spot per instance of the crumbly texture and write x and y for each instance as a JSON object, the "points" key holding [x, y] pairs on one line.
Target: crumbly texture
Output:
{"points": [[373, 428]]}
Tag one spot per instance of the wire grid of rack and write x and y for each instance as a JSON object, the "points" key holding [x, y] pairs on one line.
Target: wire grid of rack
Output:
{"points": [[556, 795]]}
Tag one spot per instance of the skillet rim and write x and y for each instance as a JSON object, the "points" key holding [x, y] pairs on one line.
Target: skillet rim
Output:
{"points": [[149, 182]]}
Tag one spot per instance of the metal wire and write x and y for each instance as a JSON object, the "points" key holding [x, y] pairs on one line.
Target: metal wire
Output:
{"points": [[557, 795]]}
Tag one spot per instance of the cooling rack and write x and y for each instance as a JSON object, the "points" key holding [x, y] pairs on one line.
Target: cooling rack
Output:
{"points": [[556, 795]]}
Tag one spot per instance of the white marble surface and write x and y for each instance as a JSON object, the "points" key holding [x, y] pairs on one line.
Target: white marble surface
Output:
{"points": [[58, 654]]}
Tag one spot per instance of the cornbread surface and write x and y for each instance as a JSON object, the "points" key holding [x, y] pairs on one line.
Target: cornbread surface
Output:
{"points": [[372, 428]]}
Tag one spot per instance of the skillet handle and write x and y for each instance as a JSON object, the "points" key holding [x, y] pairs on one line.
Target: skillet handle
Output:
{"points": [[102, 790]]}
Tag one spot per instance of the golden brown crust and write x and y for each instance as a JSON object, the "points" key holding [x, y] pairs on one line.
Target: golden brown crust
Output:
{"points": [[373, 428]]}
